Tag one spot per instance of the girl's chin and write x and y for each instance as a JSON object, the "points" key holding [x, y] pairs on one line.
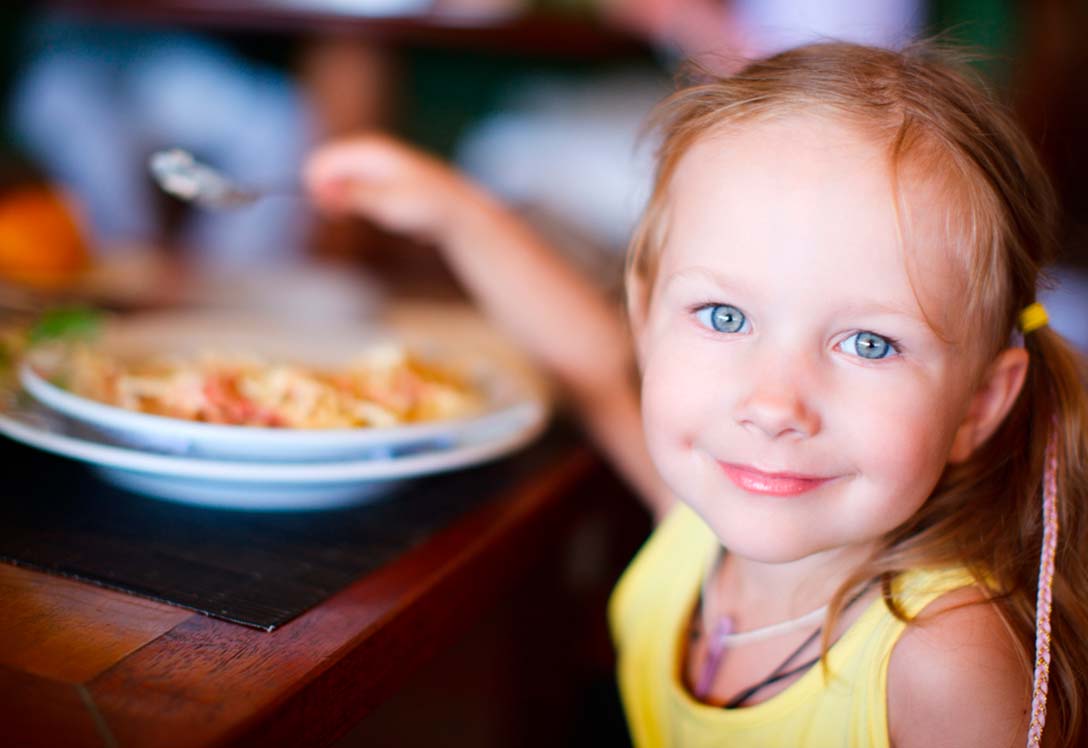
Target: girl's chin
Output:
{"points": [[770, 554], [755, 542]]}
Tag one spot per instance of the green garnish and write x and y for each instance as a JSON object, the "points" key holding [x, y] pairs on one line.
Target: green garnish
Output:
{"points": [[66, 324]]}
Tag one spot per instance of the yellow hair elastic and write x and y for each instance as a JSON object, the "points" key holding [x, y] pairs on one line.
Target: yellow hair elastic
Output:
{"points": [[1033, 317]]}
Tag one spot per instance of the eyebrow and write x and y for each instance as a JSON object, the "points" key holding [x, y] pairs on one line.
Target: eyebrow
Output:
{"points": [[704, 274]]}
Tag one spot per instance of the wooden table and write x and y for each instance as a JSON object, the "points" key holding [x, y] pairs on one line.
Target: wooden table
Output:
{"points": [[85, 666]]}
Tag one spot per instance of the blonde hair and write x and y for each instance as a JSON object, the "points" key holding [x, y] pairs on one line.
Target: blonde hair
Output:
{"points": [[937, 120]]}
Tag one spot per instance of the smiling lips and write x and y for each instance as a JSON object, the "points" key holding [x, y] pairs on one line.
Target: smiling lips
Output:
{"points": [[771, 484]]}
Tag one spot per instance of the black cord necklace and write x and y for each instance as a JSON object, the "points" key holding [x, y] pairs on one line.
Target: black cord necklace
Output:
{"points": [[779, 673], [783, 670]]}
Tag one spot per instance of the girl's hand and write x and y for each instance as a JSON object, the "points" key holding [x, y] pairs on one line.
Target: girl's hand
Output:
{"points": [[381, 179]]}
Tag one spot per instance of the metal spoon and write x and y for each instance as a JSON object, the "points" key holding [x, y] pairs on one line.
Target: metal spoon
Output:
{"points": [[181, 175]]}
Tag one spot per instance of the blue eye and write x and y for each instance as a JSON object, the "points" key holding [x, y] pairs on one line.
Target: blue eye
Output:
{"points": [[869, 345], [722, 318]]}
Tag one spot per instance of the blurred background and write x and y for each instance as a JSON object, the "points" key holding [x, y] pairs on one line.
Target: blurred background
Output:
{"points": [[541, 100]]}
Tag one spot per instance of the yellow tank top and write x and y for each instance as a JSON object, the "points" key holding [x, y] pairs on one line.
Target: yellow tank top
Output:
{"points": [[649, 614]]}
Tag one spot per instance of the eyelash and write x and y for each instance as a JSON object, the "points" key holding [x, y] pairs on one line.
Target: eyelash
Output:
{"points": [[893, 343], [695, 310]]}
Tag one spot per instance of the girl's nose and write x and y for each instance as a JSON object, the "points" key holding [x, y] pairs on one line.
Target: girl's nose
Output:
{"points": [[777, 411]]}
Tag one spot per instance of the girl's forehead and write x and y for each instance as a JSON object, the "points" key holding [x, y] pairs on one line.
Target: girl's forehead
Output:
{"points": [[785, 148], [795, 181]]}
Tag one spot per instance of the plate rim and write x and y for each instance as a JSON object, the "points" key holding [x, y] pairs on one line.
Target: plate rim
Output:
{"points": [[341, 471]]}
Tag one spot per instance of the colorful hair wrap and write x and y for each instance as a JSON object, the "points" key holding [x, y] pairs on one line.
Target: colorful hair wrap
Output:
{"points": [[1046, 586]]}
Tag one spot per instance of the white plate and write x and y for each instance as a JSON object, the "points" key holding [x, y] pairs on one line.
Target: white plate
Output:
{"points": [[261, 486], [448, 333]]}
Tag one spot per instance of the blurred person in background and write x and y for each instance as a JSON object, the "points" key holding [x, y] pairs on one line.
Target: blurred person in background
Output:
{"points": [[90, 102]]}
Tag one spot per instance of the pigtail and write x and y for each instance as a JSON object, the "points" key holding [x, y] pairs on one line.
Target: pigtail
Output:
{"points": [[1054, 408], [1003, 485]]}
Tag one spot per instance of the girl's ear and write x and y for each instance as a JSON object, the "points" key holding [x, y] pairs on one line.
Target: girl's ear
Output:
{"points": [[991, 402]]}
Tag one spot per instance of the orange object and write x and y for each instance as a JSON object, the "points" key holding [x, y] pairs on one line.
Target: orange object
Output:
{"points": [[41, 244]]}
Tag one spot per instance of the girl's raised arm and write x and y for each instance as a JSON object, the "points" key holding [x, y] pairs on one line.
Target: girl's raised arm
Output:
{"points": [[558, 317]]}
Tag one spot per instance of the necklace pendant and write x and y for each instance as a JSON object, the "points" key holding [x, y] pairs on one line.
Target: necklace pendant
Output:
{"points": [[715, 653]]}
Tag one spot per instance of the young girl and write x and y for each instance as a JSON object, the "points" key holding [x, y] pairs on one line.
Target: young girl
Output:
{"points": [[848, 384]]}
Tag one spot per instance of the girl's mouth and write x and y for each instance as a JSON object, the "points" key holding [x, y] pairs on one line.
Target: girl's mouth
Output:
{"points": [[771, 484]]}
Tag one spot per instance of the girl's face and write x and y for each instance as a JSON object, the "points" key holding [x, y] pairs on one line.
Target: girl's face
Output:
{"points": [[794, 393]]}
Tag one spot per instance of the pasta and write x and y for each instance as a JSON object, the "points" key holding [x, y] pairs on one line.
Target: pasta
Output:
{"points": [[382, 386]]}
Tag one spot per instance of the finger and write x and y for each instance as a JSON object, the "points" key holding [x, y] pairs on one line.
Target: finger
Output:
{"points": [[331, 195], [369, 157]]}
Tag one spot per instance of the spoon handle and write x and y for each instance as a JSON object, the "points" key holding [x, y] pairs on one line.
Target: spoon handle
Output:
{"points": [[181, 175]]}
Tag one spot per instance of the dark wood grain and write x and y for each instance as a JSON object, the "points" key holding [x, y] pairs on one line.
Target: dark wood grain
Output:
{"points": [[37, 711], [46, 633]]}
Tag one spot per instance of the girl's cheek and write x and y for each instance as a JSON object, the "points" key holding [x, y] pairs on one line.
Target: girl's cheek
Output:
{"points": [[908, 447], [677, 393]]}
